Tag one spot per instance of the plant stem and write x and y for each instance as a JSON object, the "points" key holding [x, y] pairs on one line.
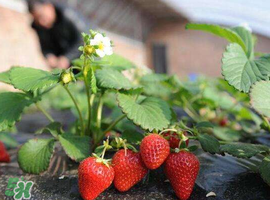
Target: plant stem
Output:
{"points": [[99, 111], [114, 123], [49, 117], [88, 95], [78, 110]]}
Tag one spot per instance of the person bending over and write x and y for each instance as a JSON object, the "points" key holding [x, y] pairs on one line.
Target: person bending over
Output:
{"points": [[59, 30]]}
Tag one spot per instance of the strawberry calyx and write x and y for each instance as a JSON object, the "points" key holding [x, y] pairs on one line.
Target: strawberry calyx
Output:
{"points": [[122, 143], [106, 162]]}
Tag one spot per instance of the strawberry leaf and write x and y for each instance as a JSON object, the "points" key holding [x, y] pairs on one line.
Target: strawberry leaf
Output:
{"points": [[247, 38], [117, 62], [264, 170], [4, 77], [227, 134], [35, 155], [55, 128], [30, 79], [8, 140], [150, 113], [113, 79], [132, 136], [226, 33], [76, 147], [260, 96], [240, 71], [12, 105], [243, 150], [209, 143]]}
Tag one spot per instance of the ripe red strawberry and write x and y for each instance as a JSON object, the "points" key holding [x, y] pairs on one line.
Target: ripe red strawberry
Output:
{"points": [[94, 178], [4, 156], [223, 122], [154, 150], [182, 169], [129, 169], [174, 139]]}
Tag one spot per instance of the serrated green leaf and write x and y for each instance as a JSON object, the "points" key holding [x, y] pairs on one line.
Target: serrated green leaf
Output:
{"points": [[76, 147], [204, 125], [30, 79], [243, 150], [4, 77], [93, 81], [260, 97], [132, 136], [241, 72], [12, 105], [8, 140], [55, 128], [227, 134], [117, 62], [151, 113], [35, 155], [113, 79], [265, 170], [154, 78], [209, 143], [247, 38], [226, 33]]}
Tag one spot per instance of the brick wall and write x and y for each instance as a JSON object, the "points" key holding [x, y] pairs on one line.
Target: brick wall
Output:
{"points": [[190, 51]]}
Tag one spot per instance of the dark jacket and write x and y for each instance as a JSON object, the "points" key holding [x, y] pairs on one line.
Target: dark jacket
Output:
{"points": [[64, 38]]}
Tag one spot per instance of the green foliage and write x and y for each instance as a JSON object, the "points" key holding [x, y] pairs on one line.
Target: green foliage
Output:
{"points": [[209, 143], [243, 150], [117, 62], [55, 128], [264, 169], [228, 34], [35, 155], [11, 107], [227, 134], [8, 140], [76, 147], [151, 113], [113, 79], [133, 137], [4, 77], [247, 38], [240, 71], [93, 81], [30, 79], [204, 125], [260, 97]]}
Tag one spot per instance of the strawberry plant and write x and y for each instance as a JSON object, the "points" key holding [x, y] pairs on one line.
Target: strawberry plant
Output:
{"points": [[248, 72], [100, 77]]}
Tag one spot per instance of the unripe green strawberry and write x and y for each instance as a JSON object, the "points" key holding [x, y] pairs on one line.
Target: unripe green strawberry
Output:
{"points": [[182, 169], [94, 177], [129, 169], [4, 156], [154, 150]]}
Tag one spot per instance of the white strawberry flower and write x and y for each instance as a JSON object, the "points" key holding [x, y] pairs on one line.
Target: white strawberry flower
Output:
{"points": [[102, 45]]}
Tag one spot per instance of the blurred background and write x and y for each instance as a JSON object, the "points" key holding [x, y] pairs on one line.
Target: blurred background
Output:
{"points": [[148, 32]]}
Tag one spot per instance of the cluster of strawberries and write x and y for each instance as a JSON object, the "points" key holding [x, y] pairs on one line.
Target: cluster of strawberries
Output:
{"points": [[127, 167], [4, 156]]}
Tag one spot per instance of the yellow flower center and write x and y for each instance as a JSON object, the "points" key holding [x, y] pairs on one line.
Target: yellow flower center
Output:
{"points": [[101, 46]]}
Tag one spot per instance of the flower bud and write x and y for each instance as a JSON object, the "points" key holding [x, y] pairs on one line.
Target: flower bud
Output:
{"points": [[66, 77], [88, 50]]}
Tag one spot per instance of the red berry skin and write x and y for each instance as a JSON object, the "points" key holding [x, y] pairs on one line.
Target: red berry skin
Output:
{"points": [[129, 169], [182, 169], [94, 178], [154, 150], [174, 139], [4, 156], [223, 122]]}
